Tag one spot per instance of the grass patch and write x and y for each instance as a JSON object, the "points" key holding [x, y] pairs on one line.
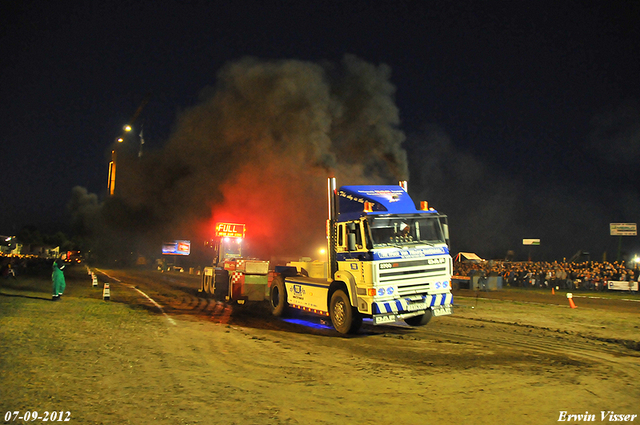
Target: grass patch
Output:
{"points": [[52, 353]]}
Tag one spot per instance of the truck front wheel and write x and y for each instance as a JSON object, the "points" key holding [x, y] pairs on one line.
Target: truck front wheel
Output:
{"points": [[345, 319], [420, 320], [278, 297]]}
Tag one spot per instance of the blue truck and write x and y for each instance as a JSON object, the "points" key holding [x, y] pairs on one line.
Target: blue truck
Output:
{"points": [[386, 260]]}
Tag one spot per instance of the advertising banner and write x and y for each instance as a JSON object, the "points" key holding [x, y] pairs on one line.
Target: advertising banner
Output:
{"points": [[623, 229], [176, 248], [531, 242], [615, 285]]}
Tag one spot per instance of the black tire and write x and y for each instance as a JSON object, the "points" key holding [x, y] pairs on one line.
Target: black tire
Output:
{"points": [[206, 285], [420, 320], [278, 297], [345, 319]]}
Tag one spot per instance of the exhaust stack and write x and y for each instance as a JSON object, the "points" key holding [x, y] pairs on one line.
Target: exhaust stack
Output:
{"points": [[332, 203]]}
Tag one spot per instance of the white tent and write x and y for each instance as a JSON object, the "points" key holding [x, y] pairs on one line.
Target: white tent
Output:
{"points": [[468, 257]]}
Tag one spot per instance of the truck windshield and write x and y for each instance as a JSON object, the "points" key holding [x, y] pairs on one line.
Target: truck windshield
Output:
{"points": [[231, 247], [409, 229]]}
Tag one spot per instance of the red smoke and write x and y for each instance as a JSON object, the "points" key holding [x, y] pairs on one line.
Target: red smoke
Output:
{"points": [[283, 205]]}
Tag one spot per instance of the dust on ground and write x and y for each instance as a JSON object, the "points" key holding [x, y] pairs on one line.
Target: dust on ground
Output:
{"points": [[507, 357]]}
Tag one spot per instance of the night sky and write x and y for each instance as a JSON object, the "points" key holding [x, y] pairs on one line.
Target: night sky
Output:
{"points": [[522, 119]]}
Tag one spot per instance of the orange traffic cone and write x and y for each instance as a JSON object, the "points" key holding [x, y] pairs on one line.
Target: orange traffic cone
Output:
{"points": [[570, 298], [553, 292]]}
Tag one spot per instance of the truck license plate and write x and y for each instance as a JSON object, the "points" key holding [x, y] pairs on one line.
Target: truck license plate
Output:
{"points": [[417, 306], [442, 310]]}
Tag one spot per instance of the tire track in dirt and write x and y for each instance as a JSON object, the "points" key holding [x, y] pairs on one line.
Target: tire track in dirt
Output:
{"points": [[559, 334], [171, 297], [181, 299], [555, 344]]}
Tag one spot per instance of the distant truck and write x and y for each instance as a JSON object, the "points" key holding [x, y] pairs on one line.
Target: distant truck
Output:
{"points": [[387, 261], [232, 277], [73, 257]]}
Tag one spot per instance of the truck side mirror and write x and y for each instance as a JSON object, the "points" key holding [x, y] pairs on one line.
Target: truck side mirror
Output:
{"points": [[351, 241], [351, 236], [445, 230]]}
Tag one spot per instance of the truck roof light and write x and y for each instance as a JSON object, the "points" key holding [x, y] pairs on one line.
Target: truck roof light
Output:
{"points": [[368, 206], [424, 205]]}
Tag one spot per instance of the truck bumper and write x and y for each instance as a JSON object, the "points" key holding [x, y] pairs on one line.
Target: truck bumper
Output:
{"points": [[400, 309]]}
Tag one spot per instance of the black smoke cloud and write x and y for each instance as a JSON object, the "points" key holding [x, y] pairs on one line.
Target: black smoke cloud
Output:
{"points": [[491, 211], [485, 209], [262, 140], [615, 135], [256, 149]]}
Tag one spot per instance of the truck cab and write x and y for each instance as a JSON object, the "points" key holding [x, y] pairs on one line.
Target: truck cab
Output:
{"points": [[387, 260]]}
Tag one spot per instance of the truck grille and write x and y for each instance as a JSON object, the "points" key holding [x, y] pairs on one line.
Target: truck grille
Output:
{"points": [[411, 277]]}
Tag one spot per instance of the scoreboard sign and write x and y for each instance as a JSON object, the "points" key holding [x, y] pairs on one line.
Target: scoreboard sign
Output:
{"points": [[230, 230], [623, 229]]}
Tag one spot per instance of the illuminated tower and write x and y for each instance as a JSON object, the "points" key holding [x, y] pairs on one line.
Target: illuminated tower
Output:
{"points": [[111, 183]]}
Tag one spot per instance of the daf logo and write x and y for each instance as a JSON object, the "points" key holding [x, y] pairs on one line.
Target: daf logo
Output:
{"points": [[436, 260]]}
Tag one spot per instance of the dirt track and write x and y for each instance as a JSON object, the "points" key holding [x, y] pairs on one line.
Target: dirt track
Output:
{"points": [[201, 362]]}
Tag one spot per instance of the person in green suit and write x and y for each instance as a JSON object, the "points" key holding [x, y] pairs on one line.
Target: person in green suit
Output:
{"points": [[57, 277]]}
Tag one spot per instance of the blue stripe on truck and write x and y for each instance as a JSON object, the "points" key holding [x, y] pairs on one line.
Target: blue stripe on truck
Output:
{"points": [[400, 305]]}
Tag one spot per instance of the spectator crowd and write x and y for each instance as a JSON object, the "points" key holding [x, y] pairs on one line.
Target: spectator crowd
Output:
{"points": [[12, 265], [590, 275]]}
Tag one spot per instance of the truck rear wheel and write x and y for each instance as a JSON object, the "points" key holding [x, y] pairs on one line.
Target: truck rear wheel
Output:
{"points": [[420, 320], [278, 297], [345, 319]]}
